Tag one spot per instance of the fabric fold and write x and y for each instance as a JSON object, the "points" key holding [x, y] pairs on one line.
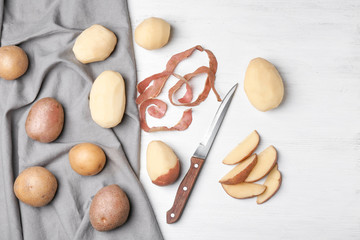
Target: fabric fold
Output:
{"points": [[46, 30]]}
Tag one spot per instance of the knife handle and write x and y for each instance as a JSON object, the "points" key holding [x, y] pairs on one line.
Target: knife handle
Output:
{"points": [[184, 190]]}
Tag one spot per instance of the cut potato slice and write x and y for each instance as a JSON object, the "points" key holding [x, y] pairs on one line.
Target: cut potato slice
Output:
{"points": [[244, 190], [239, 173], [243, 150], [265, 162], [272, 183]]}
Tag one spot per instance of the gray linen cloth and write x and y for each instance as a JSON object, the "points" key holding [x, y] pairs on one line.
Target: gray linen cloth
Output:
{"points": [[46, 30]]}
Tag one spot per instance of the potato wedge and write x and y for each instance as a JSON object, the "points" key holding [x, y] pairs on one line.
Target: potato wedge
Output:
{"points": [[272, 183], [265, 162], [244, 190], [239, 173], [243, 149]]}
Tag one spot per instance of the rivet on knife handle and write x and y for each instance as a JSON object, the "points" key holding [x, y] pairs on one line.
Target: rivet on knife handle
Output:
{"points": [[198, 159], [184, 190]]}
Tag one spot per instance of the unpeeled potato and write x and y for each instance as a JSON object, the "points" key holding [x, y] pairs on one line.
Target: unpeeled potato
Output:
{"points": [[45, 120], [109, 208], [13, 62], [35, 186], [87, 159]]}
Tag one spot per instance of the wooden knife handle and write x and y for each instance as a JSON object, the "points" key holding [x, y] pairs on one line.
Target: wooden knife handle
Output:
{"points": [[184, 190]]}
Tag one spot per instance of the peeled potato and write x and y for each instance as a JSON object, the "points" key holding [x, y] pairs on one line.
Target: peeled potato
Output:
{"points": [[87, 159], [162, 165], [109, 208], [152, 33], [35, 186], [263, 85], [108, 99], [94, 44], [13, 62]]}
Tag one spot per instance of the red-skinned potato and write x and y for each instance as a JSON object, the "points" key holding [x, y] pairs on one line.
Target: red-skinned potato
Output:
{"points": [[163, 166], [45, 120], [109, 208]]}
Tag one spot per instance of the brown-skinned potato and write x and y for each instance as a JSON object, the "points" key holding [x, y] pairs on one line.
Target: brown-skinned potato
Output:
{"points": [[109, 208], [87, 159], [45, 120], [13, 62], [35, 186]]}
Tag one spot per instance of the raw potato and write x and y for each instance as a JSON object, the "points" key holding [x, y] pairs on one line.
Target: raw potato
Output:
{"points": [[13, 62], [244, 190], [272, 183], [108, 99], [94, 44], [163, 166], [239, 173], [109, 208], [265, 162], [87, 159], [35, 186], [152, 33], [243, 150], [263, 85], [45, 120]]}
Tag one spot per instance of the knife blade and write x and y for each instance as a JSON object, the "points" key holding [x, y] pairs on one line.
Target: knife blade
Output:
{"points": [[197, 160]]}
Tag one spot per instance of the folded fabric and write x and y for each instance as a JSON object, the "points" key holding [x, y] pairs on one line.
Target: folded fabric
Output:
{"points": [[46, 30]]}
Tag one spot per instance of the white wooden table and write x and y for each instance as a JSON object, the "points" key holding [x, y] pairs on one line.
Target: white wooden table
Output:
{"points": [[315, 45]]}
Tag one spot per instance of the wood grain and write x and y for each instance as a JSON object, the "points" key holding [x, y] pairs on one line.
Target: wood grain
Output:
{"points": [[184, 190]]}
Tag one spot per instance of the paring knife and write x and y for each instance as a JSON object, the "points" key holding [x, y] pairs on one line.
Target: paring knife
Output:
{"points": [[197, 160]]}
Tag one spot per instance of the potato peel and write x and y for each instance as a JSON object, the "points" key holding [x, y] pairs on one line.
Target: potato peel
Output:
{"points": [[152, 86]]}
